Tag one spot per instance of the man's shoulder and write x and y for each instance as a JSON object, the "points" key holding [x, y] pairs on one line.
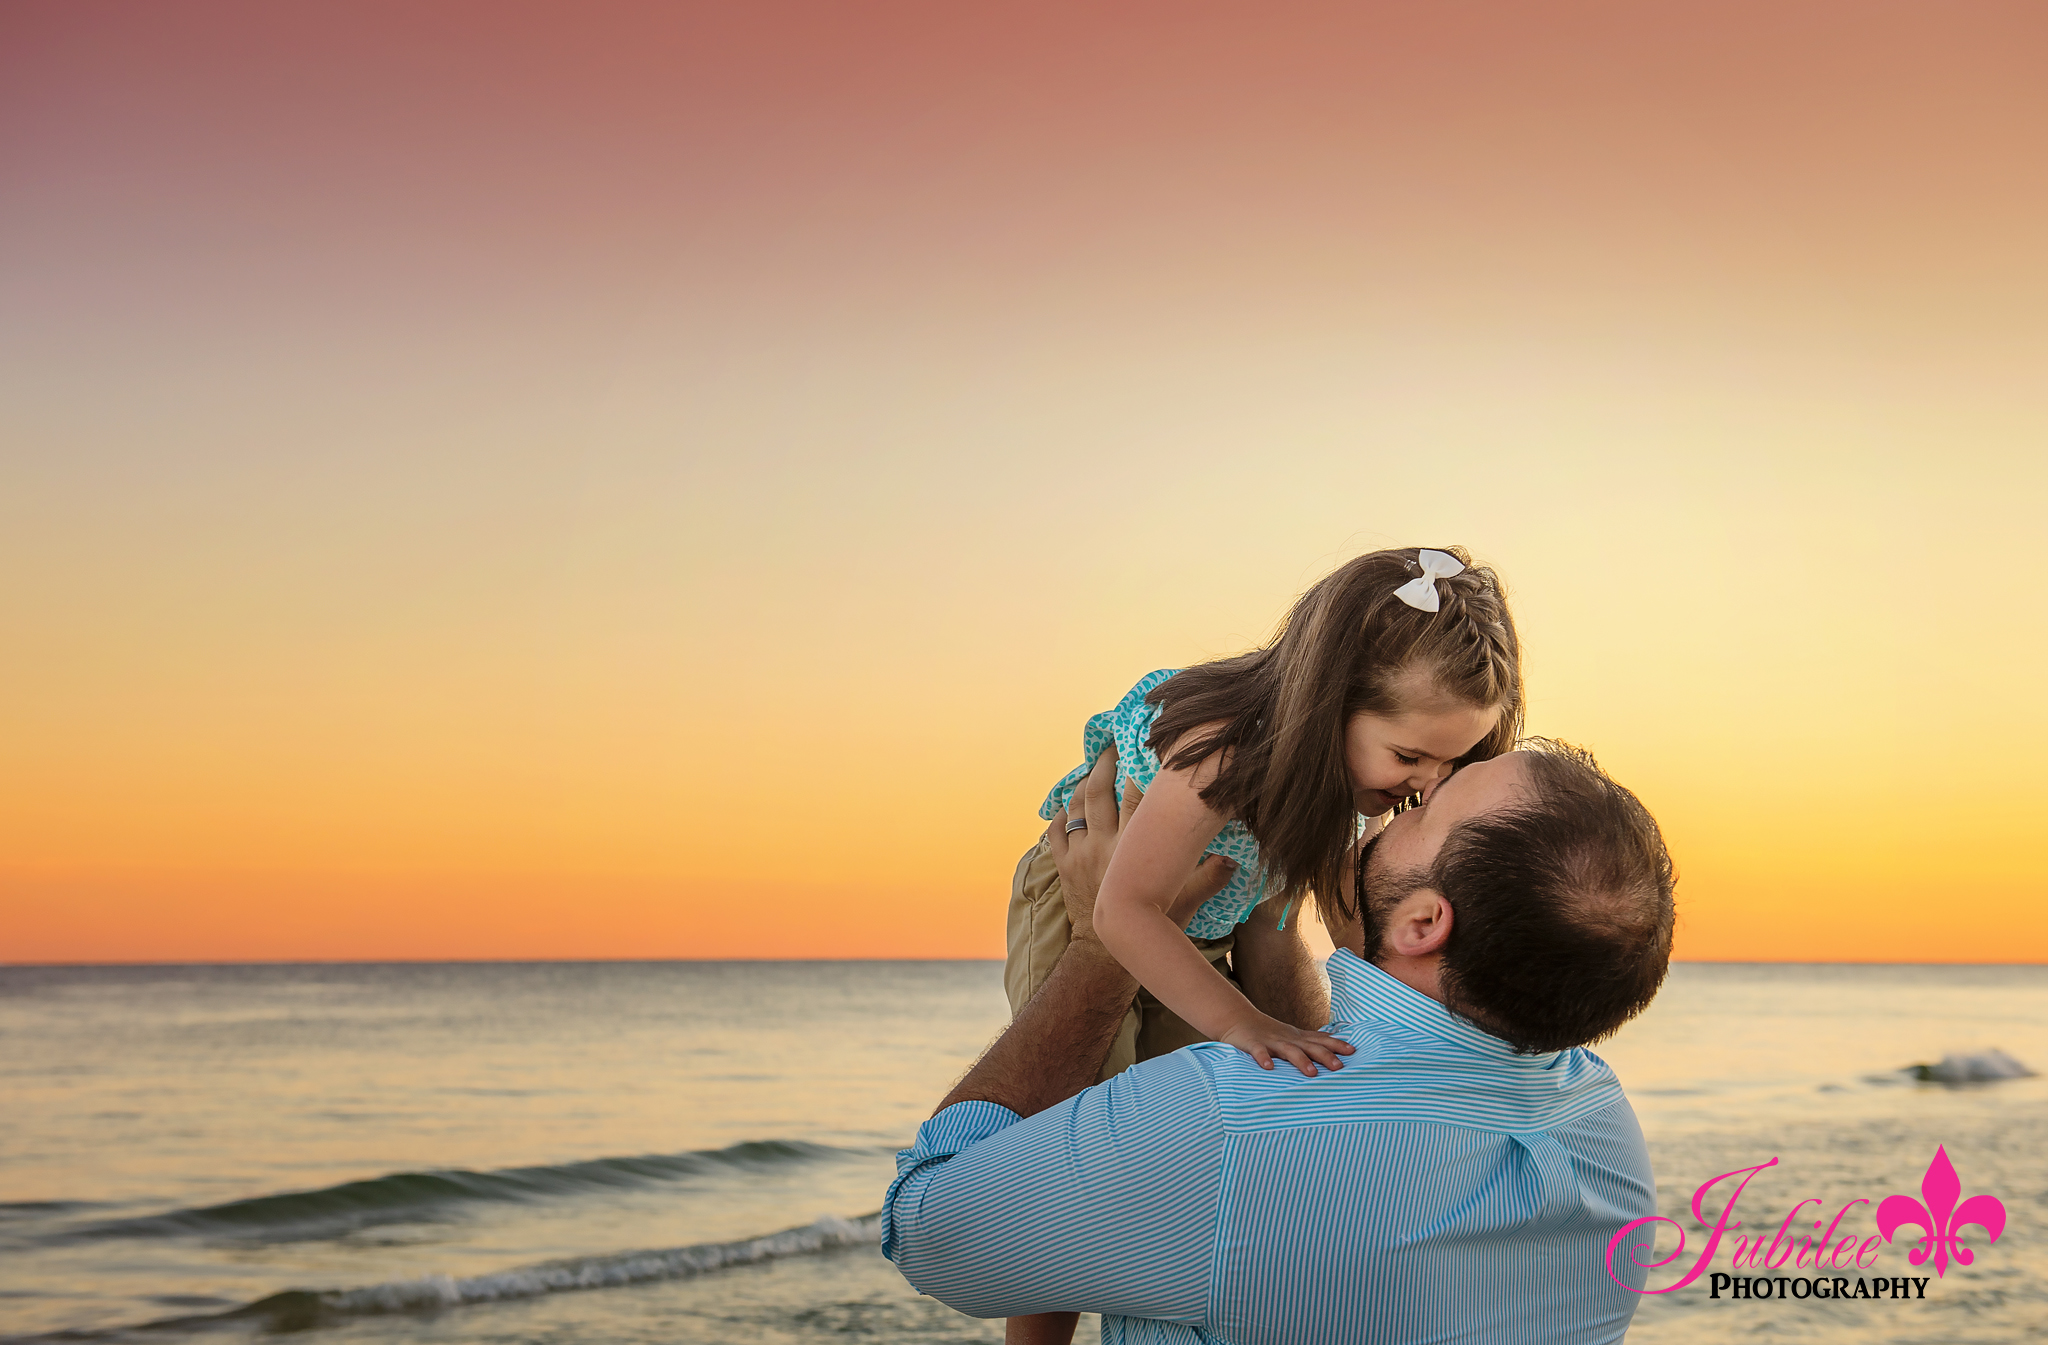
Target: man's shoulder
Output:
{"points": [[1169, 1090], [1393, 1078]]}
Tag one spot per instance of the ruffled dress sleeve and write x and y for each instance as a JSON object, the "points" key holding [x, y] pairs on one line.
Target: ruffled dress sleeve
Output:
{"points": [[1128, 724]]}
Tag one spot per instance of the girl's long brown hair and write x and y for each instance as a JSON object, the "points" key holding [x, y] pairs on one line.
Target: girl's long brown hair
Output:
{"points": [[1284, 708]]}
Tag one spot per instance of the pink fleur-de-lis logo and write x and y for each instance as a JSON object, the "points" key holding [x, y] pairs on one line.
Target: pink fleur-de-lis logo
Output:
{"points": [[1941, 1216]]}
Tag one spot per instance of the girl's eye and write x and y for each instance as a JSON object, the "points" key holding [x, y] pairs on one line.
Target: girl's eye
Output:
{"points": [[1406, 761]]}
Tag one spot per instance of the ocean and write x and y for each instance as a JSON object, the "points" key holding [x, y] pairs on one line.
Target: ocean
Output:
{"points": [[693, 1152]]}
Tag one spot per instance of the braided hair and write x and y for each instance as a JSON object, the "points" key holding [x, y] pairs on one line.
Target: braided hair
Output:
{"points": [[1345, 648]]}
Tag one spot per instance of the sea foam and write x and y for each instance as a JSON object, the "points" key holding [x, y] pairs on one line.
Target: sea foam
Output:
{"points": [[300, 1309]]}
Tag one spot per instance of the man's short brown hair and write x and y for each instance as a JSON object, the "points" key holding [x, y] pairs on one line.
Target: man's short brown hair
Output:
{"points": [[1562, 907]]}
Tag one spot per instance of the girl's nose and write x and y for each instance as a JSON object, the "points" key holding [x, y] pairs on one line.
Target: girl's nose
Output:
{"points": [[1425, 784]]}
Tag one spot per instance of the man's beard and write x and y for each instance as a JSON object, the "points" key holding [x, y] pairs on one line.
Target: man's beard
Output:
{"points": [[1383, 890]]}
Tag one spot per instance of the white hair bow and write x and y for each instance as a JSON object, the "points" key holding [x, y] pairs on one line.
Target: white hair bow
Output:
{"points": [[1421, 592]]}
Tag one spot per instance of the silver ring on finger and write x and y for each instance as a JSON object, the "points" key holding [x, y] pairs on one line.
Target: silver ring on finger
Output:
{"points": [[1075, 824]]}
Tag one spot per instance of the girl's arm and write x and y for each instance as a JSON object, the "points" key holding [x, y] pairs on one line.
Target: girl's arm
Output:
{"points": [[1161, 842]]}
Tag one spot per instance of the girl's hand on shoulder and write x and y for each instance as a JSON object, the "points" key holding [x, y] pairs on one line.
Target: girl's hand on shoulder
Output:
{"points": [[1265, 1038]]}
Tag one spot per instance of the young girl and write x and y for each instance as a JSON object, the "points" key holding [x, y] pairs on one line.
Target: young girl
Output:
{"points": [[1385, 676]]}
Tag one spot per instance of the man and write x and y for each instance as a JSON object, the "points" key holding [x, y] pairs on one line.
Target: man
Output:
{"points": [[1457, 1180]]}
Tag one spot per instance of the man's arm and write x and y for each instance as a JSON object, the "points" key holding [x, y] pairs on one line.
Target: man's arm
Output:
{"points": [[1057, 1043], [1107, 1202], [1276, 968]]}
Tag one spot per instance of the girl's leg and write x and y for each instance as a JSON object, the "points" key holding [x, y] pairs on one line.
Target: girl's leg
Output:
{"points": [[1035, 928], [1045, 1328], [1036, 933]]}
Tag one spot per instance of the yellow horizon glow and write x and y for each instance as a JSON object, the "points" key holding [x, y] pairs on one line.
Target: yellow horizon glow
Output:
{"points": [[662, 487]]}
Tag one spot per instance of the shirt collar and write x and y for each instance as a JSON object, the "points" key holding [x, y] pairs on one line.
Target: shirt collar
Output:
{"points": [[1362, 993]]}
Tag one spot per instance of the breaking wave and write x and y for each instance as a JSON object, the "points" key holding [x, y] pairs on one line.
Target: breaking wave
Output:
{"points": [[404, 1197]]}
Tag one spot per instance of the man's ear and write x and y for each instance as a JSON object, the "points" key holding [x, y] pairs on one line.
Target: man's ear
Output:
{"points": [[1419, 925]]}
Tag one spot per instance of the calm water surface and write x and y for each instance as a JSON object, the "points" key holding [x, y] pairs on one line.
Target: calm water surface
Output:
{"points": [[686, 1152]]}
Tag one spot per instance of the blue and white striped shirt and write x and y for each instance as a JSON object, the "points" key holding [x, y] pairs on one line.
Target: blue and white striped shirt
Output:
{"points": [[1437, 1188]]}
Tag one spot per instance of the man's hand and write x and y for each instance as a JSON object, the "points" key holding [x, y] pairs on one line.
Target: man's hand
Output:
{"points": [[1083, 854]]}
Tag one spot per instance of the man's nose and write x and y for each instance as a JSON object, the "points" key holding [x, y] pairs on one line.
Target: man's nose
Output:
{"points": [[1425, 782]]}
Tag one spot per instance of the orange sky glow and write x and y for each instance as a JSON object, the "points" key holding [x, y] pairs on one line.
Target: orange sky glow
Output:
{"points": [[669, 480]]}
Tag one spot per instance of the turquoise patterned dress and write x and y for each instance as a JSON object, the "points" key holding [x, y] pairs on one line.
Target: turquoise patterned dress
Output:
{"points": [[1128, 725]]}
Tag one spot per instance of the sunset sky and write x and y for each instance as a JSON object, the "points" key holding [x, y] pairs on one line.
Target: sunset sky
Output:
{"points": [[500, 480]]}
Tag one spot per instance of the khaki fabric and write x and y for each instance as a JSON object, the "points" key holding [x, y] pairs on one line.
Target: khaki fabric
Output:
{"points": [[1037, 933]]}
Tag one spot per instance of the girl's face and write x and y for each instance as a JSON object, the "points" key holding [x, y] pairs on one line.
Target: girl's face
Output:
{"points": [[1390, 756]]}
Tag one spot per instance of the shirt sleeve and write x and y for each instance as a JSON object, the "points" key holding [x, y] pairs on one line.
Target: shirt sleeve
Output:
{"points": [[1106, 1203]]}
